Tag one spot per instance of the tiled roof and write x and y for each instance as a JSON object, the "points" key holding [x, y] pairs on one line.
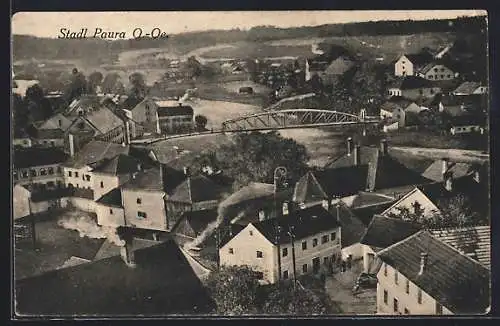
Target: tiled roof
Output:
{"points": [[352, 228], [34, 156], [112, 198], [130, 103], [53, 122], [384, 171], [452, 279], [197, 189], [175, 111], [96, 151], [120, 164], [411, 82], [420, 59], [306, 222], [163, 283], [49, 134], [473, 241], [434, 171], [158, 178], [104, 120], [467, 87], [329, 183], [196, 220], [365, 214], [383, 231], [364, 199]]}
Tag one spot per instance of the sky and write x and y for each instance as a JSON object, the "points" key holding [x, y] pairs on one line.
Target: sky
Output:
{"points": [[48, 24]]}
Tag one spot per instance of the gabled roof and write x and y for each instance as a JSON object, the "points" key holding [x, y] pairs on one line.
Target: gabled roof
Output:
{"points": [[103, 119], [96, 151], [175, 110], [159, 178], [120, 164], [112, 198], [329, 183], [421, 58], [130, 103], [472, 241], [53, 122], [383, 232], [163, 283], [428, 67], [49, 134], [368, 199], [352, 227], [306, 222], [457, 282], [197, 189], [435, 170], [33, 156], [198, 220], [411, 82], [467, 88]]}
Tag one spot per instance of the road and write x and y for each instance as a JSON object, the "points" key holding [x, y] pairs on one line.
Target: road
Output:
{"points": [[456, 155]]}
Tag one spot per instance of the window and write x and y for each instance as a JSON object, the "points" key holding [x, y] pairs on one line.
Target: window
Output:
{"points": [[419, 296], [59, 122], [70, 174], [407, 286], [333, 236], [15, 175], [33, 172], [395, 305], [442, 76], [324, 239], [50, 171], [285, 252], [304, 268], [87, 177], [407, 312], [76, 174], [59, 169], [77, 185], [395, 277], [111, 211], [259, 254], [51, 184], [81, 125], [431, 77], [260, 275], [43, 172], [102, 184], [83, 177], [139, 201], [315, 242], [251, 232], [325, 260], [285, 275], [231, 251], [435, 69], [439, 309], [304, 245], [386, 295], [141, 215], [385, 269], [449, 76]]}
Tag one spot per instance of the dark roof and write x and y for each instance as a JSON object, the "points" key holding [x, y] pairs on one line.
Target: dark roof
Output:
{"points": [[130, 103], [162, 283], [96, 151], [421, 58], [352, 228], [383, 231], [306, 222], [369, 199], [198, 220], [472, 241], [158, 178], [457, 282], [329, 183], [142, 154], [467, 87], [49, 134], [411, 82], [34, 156], [435, 170], [120, 164], [197, 189], [175, 110], [112, 198], [366, 214], [384, 171]]}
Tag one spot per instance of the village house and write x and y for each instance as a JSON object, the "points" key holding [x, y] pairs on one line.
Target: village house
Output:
{"points": [[305, 239], [141, 116], [403, 111], [57, 121], [192, 223], [410, 64], [470, 88], [435, 71], [413, 88], [421, 275], [438, 169], [326, 69], [174, 117], [49, 138], [21, 139]]}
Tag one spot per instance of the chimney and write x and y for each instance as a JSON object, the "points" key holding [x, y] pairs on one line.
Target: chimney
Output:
{"points": [[349, 146], [448, 181], [383, 147], [127, 253], [285, 208], [186, 171], [71, 145], [139, 167], [424, 258], [477, 176], [337, 211], [357, 155], [444, 166]]}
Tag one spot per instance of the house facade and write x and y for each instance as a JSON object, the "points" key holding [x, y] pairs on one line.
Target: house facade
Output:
{"points": [[175, 118], [435, 72], [143, 117], [403, 67]]}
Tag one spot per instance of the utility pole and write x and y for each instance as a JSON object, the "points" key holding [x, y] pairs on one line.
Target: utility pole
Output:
{"points": [[292, 237], [277, 240], [33, 222]]}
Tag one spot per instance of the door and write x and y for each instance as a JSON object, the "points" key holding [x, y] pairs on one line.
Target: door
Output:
{"points": [[316, 265]]}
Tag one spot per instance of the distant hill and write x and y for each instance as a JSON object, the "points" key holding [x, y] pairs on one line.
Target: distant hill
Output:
{"points": [[28, 47]]}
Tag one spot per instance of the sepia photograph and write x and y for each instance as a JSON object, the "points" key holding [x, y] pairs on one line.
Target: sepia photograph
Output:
{"points": [[250, 164]]}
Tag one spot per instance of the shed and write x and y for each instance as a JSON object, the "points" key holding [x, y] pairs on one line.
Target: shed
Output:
{"points": [[245, 90]]}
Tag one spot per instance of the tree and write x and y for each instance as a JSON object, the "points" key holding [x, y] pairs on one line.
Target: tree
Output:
{"points": [[137, 85], [253, 157], [38, 106], [201, 122], [95, 79], [234, 290], [34, 93], [20, 113], [77, 86], [109, 83], [284, 298]]}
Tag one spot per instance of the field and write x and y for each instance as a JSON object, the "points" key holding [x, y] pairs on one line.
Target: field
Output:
{"points": [[233, 87], [258, 50]]}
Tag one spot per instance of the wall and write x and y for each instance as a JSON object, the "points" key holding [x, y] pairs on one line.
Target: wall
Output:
{"points": [[355, 250], [407, 201], [405, 300], [23, 142], [403, 67], [176, 123], [367, 251], [49, 142], [109, 182], [439, 72], [83, 204], [245, 254], [55, 177], [152, 203], [78, 181], [21, 203], [145, 114], [414, 94], [109, 215]]}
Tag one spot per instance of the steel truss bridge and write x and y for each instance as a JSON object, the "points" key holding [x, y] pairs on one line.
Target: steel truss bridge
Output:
{"points": [[296, 118]]}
